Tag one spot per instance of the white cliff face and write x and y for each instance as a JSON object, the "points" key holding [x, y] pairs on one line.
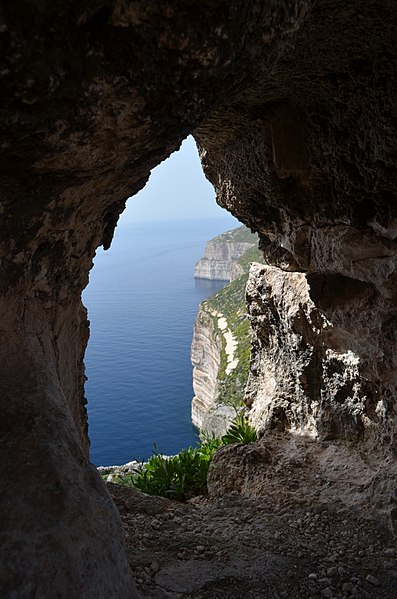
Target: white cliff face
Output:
{"points": [[220, 260], [205, 356], [210, 333]]}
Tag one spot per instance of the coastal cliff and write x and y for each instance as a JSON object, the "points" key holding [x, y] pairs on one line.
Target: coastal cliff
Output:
{"points": [[220, 350], [221, 256]]}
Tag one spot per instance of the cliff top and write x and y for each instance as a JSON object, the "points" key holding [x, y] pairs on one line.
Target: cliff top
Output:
{"points": [[240, 235]]}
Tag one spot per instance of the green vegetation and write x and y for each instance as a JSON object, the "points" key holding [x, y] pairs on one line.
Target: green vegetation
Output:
{"points": [[230, 301], [240, 432], [240, 235], [184, 475], [252, 255]]}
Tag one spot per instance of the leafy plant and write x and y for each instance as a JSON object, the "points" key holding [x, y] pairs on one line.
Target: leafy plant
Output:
{"points": [[179, 477], [240, 431], [184, 475]]}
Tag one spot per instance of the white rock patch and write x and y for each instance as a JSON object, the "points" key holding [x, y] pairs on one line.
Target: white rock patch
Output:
{"points": [[231, 343]]}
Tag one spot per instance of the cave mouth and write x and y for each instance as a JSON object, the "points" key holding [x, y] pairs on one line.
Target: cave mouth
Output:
{"points": [[142, 301]]}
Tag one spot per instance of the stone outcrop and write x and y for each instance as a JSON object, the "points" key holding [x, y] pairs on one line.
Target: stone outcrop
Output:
{"points": [[220, 260], [292, 104], [205, 356], [304, 378], [208, 414]]}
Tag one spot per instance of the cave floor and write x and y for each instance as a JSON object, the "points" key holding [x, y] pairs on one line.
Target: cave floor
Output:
{"points": [[236, 547]]}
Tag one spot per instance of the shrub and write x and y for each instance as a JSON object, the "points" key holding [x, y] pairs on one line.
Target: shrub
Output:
{"points": [[240, 431], [184, 475], [178, 477]]}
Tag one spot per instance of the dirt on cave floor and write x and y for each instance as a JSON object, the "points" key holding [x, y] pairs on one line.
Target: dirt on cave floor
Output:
{"points": [[269, 546]]}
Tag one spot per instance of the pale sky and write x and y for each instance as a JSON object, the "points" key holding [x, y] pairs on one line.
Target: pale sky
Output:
{"points": [[177, 190]]}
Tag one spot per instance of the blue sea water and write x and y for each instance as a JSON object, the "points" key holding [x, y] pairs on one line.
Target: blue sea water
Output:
{"points": [[142, 301]]}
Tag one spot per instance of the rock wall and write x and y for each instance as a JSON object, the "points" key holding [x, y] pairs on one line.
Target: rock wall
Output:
{"points": [[303, 378], [292, 104], [220, 260], [207, 414], [319, 186], [221, 337]]}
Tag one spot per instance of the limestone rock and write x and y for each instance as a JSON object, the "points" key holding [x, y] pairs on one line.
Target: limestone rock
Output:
{"points": [[220, 260], [303, 378], [206, 351], [221, 339]]}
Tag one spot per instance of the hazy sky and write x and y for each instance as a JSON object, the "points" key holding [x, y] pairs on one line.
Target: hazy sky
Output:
{"points": [[176, 190]]}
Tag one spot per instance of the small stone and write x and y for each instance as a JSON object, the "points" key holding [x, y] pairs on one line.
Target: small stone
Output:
{"points": [[372, 580], [332, 571], [347, 587], [327, 593], [312, 576], [390, 552], [200, 548]]}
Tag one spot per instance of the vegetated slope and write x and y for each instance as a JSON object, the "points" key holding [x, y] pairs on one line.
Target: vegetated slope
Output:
{"points": [[221, 348], [239, 235]]}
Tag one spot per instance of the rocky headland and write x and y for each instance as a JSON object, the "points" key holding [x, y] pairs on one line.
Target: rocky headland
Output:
{"points": [[221, 339], [221, 255]]}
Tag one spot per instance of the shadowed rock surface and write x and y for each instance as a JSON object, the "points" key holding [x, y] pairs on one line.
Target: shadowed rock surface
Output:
{"points": [[292, 103], [290, 541]]}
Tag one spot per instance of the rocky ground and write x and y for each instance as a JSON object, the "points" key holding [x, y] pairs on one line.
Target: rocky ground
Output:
{"points": [[268, 546]]}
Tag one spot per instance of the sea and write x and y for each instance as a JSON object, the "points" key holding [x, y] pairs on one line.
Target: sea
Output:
{"points": [[142, 301]]}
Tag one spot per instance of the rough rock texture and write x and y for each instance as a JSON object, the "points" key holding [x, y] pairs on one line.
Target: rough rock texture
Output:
{"points": [[282, 544], [303, 377], [293, 104], [305, 157], [221, 254], [205, 356], [289, 467], [206, 352], [217, 262]]}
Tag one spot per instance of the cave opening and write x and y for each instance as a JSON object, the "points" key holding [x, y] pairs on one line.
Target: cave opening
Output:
{"points": [[142, 301]]}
